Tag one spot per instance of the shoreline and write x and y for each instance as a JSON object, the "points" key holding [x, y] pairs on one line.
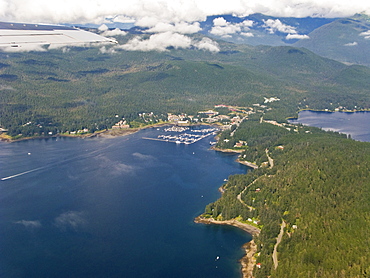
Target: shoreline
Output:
{"points": [[226, 150], [109, 133], [248, 261], [247, 163], [105, 134], [243, 162]]}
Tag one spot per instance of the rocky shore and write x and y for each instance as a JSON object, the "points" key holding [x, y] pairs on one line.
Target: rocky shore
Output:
{"points": [[247, 163], [248, 261]]}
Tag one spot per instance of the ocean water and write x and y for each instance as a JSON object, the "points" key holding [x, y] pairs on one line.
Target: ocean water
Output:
{"points": [[356, 124], [114, 207]]}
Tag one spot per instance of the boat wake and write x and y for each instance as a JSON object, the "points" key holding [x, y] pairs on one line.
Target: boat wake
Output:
{"points": [[21, 174], [72, 158]]}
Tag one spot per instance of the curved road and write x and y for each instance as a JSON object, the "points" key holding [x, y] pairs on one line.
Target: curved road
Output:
{"points": [[278, 240]]}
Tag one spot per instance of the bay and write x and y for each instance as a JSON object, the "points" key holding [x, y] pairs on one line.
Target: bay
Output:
{"points": [[114, 207], [357, 124]]}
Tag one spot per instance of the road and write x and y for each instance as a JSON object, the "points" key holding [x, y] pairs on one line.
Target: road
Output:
{"points": [[278, 240]]}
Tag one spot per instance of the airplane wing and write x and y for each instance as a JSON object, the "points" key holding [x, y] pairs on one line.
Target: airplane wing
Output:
{"points": [[21, 34]]}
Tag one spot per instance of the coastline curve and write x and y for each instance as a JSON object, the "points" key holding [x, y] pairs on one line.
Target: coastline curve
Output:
{"points": [[248, 261]]}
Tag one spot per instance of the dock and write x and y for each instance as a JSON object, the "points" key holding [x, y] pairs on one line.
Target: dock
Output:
{"points": [[184, 137]]}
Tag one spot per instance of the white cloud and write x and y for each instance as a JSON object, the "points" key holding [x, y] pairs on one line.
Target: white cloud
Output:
{"points": [[115, 32], [219, 21], [151, 12], [225, 29], [247, 23], [276, 25], [162, 41], [29, 224], [123, 19], [65, 48], [366, 34], [106, 50], [158, 42], [296, 37], [104, 31], [272, 26], [351, 44], [180, 27], [71, 219], [171, 19], [207, 44], [248, 34]]}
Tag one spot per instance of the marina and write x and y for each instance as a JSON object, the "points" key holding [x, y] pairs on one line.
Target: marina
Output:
{"points": [[184, 135]]}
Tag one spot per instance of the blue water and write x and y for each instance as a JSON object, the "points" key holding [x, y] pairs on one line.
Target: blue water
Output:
{"points": [[114, 207], [356, 124]]}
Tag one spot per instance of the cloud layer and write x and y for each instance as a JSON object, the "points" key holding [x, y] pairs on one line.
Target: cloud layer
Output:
{"points": [[226, 29], [151, 13], [276, 25], [169, 22]]}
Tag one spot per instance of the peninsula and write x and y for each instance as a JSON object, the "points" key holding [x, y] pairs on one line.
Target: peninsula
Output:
{"points": [[299, 198]]}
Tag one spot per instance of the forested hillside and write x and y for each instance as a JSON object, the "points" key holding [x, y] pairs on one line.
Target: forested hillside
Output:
{"points": [[318, 183], [87, 88]]}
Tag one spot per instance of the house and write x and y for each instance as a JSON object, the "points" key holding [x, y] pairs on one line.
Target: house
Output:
{"points": [[120, 125]]}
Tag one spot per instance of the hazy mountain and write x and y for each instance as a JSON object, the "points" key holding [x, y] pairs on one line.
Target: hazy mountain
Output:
{"points": [[342, 39], [345, 39], [261, 29]]}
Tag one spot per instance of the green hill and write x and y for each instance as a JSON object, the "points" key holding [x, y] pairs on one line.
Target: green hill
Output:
{"points": [[318, 185], [53, 92]]}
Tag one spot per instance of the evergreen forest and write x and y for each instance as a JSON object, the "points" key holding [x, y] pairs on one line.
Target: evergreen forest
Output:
{"points": [[76, 88], [318, 184]]}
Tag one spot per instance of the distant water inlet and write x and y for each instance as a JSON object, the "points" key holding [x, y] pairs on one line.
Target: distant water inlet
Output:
{"points": [[355, 124]]}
